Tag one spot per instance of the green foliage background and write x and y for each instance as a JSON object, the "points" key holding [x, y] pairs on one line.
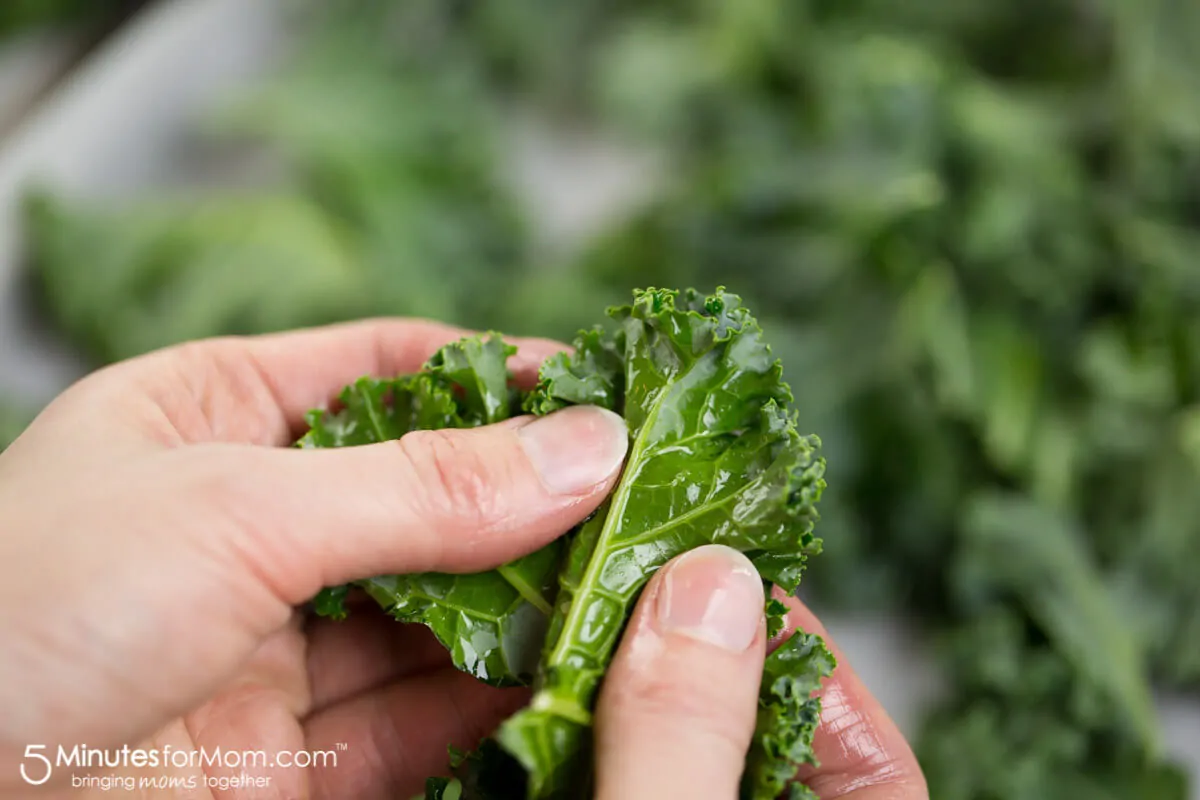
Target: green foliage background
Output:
{"points": [[968, 226], [17, 15]]}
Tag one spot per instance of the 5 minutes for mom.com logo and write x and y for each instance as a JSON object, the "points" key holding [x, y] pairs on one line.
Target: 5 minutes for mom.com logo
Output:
{"points": [[40, 764]]}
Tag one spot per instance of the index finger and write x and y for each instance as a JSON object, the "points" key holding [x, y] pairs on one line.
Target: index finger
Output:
{"points": [[257, 389], [862, 754]]}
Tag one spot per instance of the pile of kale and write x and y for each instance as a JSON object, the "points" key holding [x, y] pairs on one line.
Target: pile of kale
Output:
{"points": [[969, 227]]}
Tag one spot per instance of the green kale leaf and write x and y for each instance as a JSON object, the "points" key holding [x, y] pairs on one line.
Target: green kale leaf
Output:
{"points": [[491, 622], [715, 457], [788, 715]]}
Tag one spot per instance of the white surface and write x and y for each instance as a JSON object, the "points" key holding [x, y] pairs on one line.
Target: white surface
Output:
{"points": [[122, 126]]}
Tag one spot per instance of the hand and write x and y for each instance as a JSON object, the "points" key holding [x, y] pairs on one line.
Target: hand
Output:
{"points": [[155, 538], [677, 710]]}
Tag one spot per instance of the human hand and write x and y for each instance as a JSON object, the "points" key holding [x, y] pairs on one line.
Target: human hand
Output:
{"points": [[156, 538], [677, 711], [166, 541]]}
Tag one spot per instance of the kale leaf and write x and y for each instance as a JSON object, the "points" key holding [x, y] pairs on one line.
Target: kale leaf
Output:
{"points": [[491, 622], [788, 716], [715, 457]]}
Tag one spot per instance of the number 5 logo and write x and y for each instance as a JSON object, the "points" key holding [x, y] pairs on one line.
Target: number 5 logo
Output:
{"points": [[31, 751]]}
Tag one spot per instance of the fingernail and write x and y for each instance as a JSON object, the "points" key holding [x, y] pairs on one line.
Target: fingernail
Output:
{"points": [[713, 594], [576, 448]]}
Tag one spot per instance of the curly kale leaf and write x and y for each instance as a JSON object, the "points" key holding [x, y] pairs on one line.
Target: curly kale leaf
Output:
{"points": [[776, 613], [486, 774], [464, 385], [492, 623], [788, 715], [714, 457], [593, 375]]}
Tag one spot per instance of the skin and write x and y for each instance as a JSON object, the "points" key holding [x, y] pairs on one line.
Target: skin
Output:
{"points": [[157, 536]]}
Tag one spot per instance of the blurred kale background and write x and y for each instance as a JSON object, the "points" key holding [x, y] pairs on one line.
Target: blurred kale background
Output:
{"points": [[970, 227]]}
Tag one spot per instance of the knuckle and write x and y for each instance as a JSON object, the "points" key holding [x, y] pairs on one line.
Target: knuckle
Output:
{"points": [[453, 477], [211, 389], [208, 362]]}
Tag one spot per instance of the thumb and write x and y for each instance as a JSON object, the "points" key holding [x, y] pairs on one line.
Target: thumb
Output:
{"points": [[677, 711], [445, 500]]}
